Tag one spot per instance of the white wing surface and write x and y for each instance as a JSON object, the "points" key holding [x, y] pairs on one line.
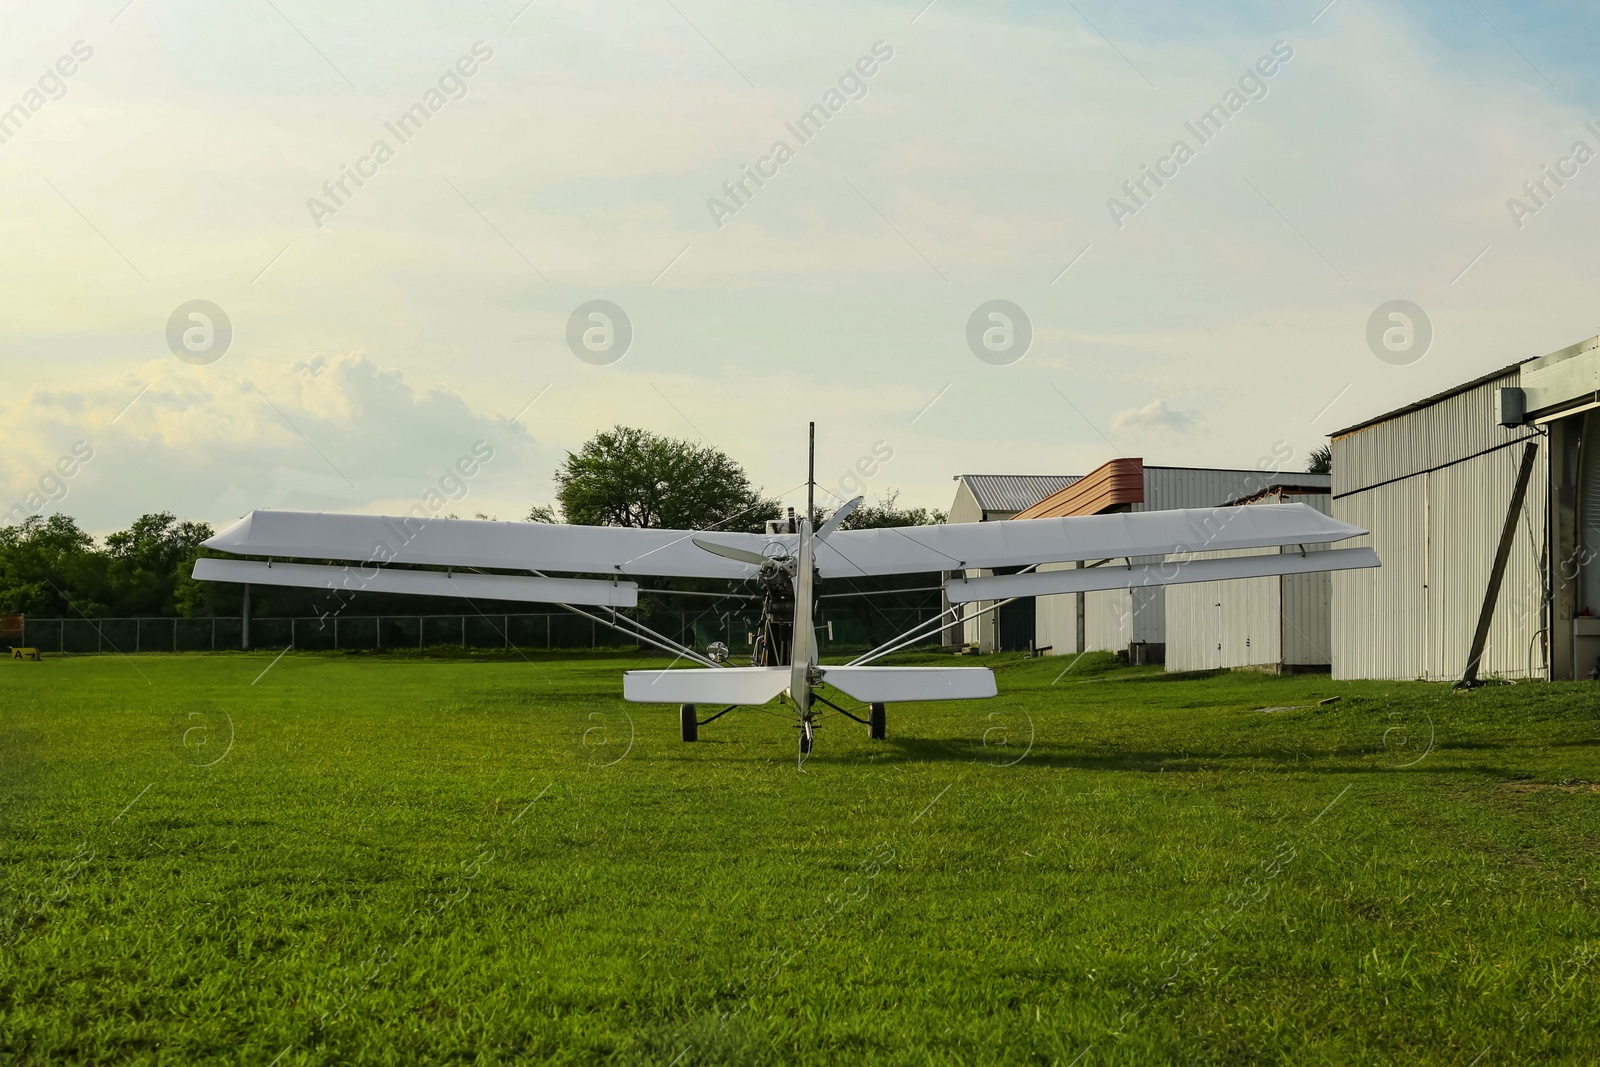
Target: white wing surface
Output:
{"points": [[1020, 542], [358, 579], [846, 553], [1045, 583], [474, 543]]}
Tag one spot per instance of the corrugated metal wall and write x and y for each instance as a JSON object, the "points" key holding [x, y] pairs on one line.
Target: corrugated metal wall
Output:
{"points": [[1200, 487], [1436, 533], [1452, 429], [1308, 619], [1057, 618], [1114, 619], [1108, 620], [1224, 624], [1252, 622]]}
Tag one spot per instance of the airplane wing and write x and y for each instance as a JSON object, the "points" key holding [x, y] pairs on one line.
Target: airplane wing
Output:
{"points": [[620, 550], [1021, 542], [521, 546]]}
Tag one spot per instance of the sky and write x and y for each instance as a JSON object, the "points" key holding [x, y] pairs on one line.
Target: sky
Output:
{"points": [[378, 334]]}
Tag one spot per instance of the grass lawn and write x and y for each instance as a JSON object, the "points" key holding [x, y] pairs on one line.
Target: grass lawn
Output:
{"points": [[407, 860]]}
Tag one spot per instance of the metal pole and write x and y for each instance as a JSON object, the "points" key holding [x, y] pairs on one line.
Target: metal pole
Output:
{"points": [[244, 622], [1497, 569], [421, 625], [336, 633], [213, 633], [811, 474], [291, 631], [463, 631], [138, 632], [377, 642]]}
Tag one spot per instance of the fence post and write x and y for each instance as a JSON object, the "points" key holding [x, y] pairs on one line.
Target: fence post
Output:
{"points": [[506, 633], [138, 632], [421, 625], [291, 632], [61, 636], [463, 631], [547, 633], [336, 633]]}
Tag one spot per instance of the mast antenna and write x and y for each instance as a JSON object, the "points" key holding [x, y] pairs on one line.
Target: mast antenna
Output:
{"points": [[811, 476]]}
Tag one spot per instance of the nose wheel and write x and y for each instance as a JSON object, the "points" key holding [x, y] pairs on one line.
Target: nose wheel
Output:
{"points": [[688, 725], [877, 723]]}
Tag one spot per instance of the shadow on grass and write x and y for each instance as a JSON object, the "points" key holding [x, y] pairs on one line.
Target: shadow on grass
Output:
{"points": [[1279, 760]]}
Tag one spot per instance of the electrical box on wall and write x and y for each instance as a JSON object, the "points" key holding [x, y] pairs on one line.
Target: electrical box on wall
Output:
{"points": [[1512, 403]]}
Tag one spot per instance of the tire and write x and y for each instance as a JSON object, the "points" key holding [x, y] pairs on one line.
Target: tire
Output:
{"points": [[688, 724], [877, 723]]}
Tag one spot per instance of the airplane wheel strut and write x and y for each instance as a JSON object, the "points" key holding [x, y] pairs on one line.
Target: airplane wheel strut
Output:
{"points": [[687, 723], [877, 723]]}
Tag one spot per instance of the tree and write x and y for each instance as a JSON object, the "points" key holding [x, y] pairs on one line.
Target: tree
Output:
{"points": [[145, 560], [49, 566], [631, 477], [1321, 460]]}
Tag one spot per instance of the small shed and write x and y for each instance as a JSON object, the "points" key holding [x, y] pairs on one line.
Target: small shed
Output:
{"points": [[1282, 624], [992, 498]]}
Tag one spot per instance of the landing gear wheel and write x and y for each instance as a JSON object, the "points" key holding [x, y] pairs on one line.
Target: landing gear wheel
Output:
{"points": [[688, 724], [876, 723]]}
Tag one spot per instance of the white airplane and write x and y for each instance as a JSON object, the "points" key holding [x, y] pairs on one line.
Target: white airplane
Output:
{"points": [[508, 561]]}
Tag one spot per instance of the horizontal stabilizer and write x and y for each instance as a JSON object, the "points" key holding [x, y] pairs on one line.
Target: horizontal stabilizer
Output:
{"points": [[1108, 576], [881, 685], [705, 685], [374, 579]]}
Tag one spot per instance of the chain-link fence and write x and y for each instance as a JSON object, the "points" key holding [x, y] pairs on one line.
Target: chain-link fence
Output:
{"points": [[556, 630]]}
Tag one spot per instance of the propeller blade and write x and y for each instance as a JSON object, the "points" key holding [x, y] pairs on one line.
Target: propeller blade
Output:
{"points": [[729, 552], [837, 517]]}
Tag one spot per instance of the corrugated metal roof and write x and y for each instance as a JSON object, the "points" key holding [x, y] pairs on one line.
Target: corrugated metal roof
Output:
{"points": [[1014, 492], [1429, 401]]}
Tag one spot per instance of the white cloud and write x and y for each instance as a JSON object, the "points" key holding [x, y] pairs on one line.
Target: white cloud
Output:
{"points": [[1155, 415], [328, 433], [988, 145]]}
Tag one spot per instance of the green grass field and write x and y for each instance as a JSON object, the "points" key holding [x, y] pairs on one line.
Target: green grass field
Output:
{"points": [[408, 860]]}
